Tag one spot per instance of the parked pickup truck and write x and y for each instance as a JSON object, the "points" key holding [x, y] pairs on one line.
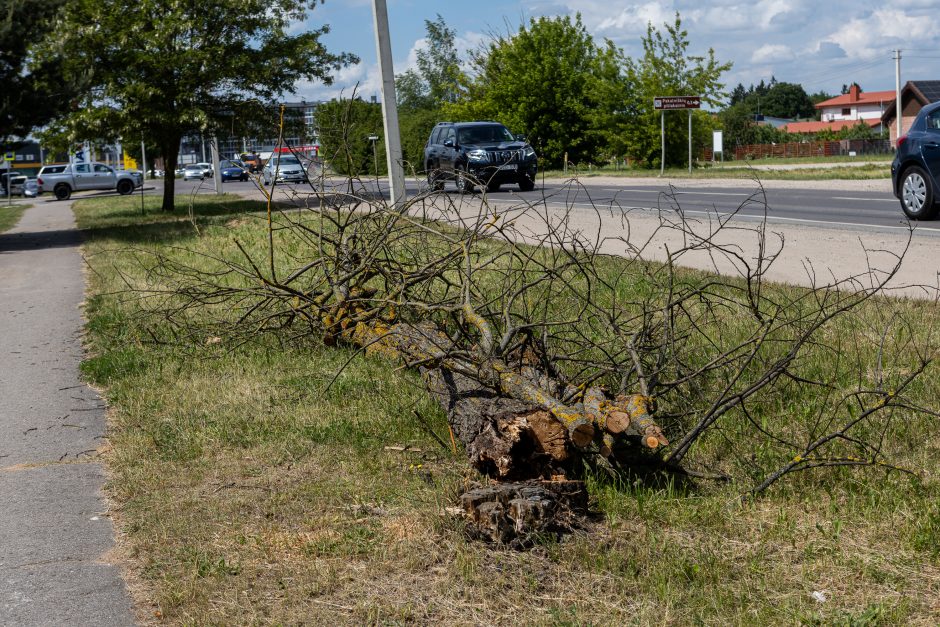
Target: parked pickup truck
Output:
{"points": [[62, 180]]}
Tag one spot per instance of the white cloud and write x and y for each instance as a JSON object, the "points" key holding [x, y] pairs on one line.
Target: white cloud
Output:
{"points": [[769, 53], [873, 35], [633, 18]]}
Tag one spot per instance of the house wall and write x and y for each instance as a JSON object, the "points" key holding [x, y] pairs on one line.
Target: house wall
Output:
{"points": [[856, 112], [906, 122], [909, 110]]}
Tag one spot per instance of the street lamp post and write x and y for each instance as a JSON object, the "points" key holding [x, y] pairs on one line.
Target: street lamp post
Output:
{"points": [[383, 45], [375, 153]]}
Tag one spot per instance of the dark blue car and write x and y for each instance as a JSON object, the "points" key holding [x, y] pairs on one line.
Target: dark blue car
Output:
{"points": [[915, 171], [233, 171]]}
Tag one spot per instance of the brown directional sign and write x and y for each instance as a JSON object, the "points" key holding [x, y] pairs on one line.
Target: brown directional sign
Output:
{"points": [[677, 102]]}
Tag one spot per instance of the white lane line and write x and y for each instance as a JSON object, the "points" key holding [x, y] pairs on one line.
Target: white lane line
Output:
{"points": [[661, 191], [865, 199], [770, 218]]}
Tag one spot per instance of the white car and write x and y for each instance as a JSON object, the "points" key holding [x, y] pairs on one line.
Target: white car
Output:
{"points": [[283, 169], [197, 171]]}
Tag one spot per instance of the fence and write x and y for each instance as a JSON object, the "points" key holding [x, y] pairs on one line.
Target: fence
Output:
{"points": [[808, 149]]}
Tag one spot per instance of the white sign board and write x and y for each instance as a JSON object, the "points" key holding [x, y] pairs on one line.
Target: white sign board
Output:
{"points": [[717, 142]]}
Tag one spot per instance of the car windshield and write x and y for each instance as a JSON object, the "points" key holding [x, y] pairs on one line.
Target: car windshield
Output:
{"points": [[286, 160], [194, 166], [229, 164], [484, 134]]}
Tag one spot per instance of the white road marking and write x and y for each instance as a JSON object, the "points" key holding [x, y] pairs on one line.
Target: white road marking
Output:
{"points": [[661, 191], [865, 199], [760, 217]]}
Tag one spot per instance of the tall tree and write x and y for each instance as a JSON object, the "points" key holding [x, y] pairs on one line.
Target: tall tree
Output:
{"points": [[163, 69], [345, 128], [547, 81], [787, 100], [32, 91], [423, 91], [667, 69]]}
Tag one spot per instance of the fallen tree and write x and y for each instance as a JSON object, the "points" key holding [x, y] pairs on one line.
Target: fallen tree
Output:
{"points": [[550, 344]]}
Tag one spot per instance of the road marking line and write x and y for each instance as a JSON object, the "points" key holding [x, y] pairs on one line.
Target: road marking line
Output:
{"points": [[662, 191], [865, 199], [760, 217]]}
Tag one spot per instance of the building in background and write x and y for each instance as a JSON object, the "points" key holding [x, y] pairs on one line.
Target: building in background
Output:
{"points": [[914, 96]]}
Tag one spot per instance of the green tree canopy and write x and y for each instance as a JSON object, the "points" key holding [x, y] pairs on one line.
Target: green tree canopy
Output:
{"points": [[422, 92], [32, 91], [667, 69], [162, 69], [549, 80], [345, 127]]}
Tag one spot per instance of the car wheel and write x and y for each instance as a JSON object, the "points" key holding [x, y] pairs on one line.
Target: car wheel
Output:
{"points": [[526, 183], [917, 195], [125, 187], [464, 182], [62, 191]]}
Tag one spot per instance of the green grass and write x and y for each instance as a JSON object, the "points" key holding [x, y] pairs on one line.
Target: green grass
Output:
{"points": [[252, 488], [10, 215]]}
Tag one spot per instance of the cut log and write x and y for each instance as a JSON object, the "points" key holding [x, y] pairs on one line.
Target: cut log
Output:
{"points": [[510, 420], [516, 514]]}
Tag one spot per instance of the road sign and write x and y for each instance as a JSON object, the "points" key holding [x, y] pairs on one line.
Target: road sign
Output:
{"points": [[9, 156], [677, 102]]}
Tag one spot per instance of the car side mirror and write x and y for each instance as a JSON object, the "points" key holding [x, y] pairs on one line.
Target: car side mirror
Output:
{"points": [[448, 143], [521, 138]]}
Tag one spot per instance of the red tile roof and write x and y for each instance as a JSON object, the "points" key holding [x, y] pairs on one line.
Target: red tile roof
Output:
{"points": [[865, 97], [836, 125]]}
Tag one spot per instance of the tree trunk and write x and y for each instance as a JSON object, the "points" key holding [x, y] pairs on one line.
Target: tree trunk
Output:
{"points": [[171, 148], [510, 421]]}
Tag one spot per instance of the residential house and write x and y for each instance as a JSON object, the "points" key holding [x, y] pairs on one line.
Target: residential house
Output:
{"points": [[847, 110], [914, 95]]}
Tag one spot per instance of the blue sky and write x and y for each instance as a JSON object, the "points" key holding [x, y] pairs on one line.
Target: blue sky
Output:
{"points": [[821, 45]]}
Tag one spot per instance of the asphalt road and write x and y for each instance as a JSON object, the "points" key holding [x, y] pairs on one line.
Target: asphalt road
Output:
{"points": [[55, 533], [838, 209]]}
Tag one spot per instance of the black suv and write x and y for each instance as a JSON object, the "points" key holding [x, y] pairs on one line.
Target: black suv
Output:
{"points": [[478, 153]]}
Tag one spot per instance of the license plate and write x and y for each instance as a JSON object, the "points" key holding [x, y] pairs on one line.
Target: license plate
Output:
{"points": [[508, 166]]}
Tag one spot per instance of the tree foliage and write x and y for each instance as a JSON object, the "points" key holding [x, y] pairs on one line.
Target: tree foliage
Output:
{"points": [[33, 91], [345, 128], [667, 69], [776, 99], [162, 69], [423, 92], [548, 80]]}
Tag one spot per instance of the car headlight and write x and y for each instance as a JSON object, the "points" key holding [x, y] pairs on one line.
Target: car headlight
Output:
{"points": [[528, 152], [477, 155]]}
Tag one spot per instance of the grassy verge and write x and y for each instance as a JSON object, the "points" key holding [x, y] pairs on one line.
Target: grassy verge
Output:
{"points": [[255, 487], [10, 215], [742, 171]]}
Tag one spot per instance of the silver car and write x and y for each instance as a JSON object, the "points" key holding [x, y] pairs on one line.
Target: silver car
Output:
{"points": [[197, 171], [283, 169]]}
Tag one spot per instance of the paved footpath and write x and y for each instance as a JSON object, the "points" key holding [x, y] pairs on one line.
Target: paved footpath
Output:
{"points": [[55, 534]]}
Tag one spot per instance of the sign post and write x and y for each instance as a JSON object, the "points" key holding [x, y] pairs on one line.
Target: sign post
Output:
{"points": [[669, 103], [9, 157]]}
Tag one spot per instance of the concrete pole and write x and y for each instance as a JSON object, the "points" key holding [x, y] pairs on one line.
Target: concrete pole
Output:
{"points": [[383, 46], [216, 174], [143, 159], [662, 130], [897, 88]]}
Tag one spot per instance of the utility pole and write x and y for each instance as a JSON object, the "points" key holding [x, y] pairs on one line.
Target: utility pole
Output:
{"points": [[383, 46], [216, 170], [897, 88], [143, 159]]}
